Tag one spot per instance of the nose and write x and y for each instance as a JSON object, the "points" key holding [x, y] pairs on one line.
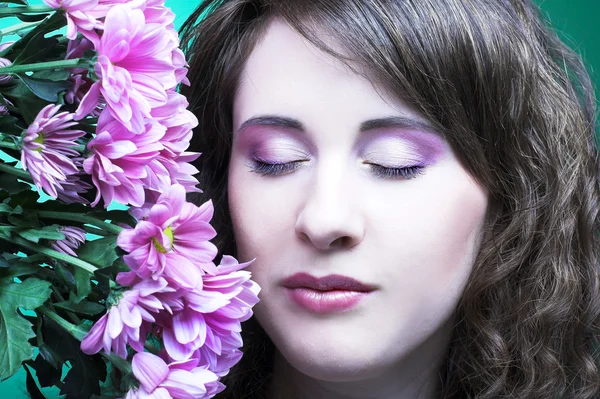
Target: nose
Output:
{"points": [[330, 218]]}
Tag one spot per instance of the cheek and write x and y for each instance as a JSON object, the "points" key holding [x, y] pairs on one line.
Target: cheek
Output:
{"points": [[433, 234], [262, 216]]}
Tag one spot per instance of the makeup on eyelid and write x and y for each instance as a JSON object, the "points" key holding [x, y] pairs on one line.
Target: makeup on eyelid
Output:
{"points": [[402, 148], [390, 149]]}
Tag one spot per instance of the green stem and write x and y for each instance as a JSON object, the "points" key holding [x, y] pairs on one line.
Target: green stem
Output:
{"points": [[78, 217], [11, 146], [40, 66], [20, 173], [15, 28], [89, 121], [75, 331], [151, 348], [118, 362], [37, 258], [26, 9], [52, 253], [74, 318]]}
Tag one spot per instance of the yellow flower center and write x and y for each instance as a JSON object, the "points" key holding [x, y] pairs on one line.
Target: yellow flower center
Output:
{"points": [[40, 140], [169, 233]]}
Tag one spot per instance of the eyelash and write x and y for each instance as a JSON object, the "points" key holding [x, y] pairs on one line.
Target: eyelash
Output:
{"points": [[405, 173], [383, 172], [273, 169]]}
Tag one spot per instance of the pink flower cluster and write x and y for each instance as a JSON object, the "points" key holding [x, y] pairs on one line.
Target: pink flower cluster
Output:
{"points": [[138, 156], [176, 293], [144, 126]]}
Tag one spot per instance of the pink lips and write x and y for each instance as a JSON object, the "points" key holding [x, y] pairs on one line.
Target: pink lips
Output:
{"points": [[333, 293]]}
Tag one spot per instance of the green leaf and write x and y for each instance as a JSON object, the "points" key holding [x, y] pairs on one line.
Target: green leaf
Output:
{"points": [[31, 18], [24, 199], [11, 185], [44, 88], [18, 270], [24, 99], [46, 233], [21, 2], [6, 231], [84, 307], [10, 124], [56, 75], [82, 282], [64, 274], [46, 373], [36, 49], [50, 24], [101, 252], [15, 331], [83, 379], [32, 388]]}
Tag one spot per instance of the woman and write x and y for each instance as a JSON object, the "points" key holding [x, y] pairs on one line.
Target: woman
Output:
{"points": [[418, 182]]}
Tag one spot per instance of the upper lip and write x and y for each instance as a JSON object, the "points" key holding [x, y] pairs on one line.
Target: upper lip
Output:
{"points": [[327, 283]]}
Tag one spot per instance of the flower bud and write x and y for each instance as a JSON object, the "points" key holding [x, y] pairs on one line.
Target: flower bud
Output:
{"points": [[5, 79]]}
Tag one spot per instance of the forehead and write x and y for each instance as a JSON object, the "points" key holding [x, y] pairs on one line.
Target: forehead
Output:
{"points": [[285, 74]]}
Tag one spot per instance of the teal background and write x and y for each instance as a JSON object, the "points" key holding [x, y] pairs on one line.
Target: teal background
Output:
{"points": [[577, 22]]}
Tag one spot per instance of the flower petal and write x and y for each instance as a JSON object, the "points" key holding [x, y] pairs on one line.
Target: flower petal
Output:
{"points": [[150, 370]]}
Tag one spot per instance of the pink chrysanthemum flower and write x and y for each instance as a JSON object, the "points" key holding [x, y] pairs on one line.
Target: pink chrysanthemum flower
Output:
{"points": [[74, 187], [48, 149], [121, 161], [122, 325], [173, 242], [178, 380], [78, 15], [211, 318], [179, 123], [134, 68], [74, 237], [80, 81], [156, 12]]}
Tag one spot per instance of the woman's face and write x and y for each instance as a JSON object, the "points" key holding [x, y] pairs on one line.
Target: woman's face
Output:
{"points": [[363, 223]]}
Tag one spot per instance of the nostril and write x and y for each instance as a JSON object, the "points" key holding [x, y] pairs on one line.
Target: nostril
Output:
{"points": [[304, 237], [341, 242]]}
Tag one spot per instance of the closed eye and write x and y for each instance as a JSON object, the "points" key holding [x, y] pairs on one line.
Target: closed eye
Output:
{"points": [[384, 172], [274, 169]]}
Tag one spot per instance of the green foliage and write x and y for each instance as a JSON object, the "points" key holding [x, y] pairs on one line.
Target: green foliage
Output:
{"points": [[10, 124], [15, 331], [32, 387], [28, 103], [45, 88], [86, 373], [101, 252], [85, 308], [38, 46], [20, 2], [31, 18], [11, 266], [52, 23], [45, 233]]}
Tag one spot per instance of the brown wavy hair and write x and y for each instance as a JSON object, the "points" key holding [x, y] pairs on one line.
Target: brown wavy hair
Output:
{"points": [[518, 108]]}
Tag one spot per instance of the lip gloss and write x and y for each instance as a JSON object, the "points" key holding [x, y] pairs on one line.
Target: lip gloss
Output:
{"points": [[325, 301], [327, 294]]}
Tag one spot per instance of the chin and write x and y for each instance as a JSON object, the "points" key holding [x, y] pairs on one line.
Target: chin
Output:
{"points": [[331, 362]]}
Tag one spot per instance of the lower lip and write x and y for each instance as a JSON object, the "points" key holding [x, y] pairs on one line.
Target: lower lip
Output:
{"points": [[325, 301]]}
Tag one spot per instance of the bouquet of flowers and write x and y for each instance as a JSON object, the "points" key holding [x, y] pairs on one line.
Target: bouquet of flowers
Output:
{"points": [[109, 288]]}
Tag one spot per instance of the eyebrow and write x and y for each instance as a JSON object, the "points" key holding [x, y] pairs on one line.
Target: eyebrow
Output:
{"points": [[399, 122]]}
